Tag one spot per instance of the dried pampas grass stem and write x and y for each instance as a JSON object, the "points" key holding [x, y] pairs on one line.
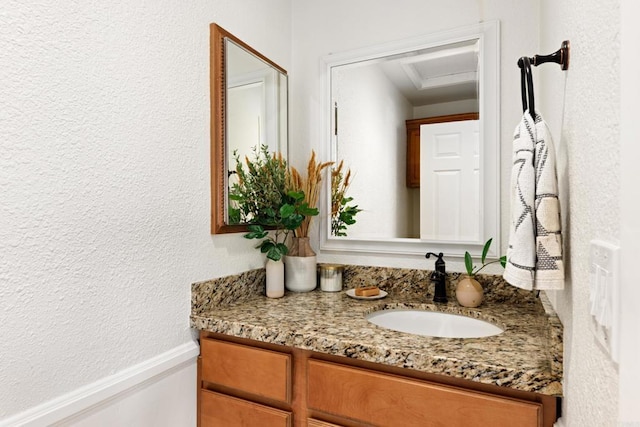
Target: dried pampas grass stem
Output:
{"points": [[310, 185]]}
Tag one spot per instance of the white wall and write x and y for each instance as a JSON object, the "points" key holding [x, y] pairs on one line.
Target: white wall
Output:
{"points": [[582, 108], [146, 405], [335, 26], [373, 125], [629, 375], [104, 183]]}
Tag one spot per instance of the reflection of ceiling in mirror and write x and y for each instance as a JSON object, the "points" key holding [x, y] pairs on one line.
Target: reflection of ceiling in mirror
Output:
{"points": [[240, 62], [432, 76]]}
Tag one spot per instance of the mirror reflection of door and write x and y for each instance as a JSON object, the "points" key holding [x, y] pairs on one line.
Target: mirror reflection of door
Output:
{"points": [[374, 99], [450, 181]]}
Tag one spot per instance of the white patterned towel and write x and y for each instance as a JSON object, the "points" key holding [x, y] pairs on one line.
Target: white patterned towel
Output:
{"points": [[534, 256]]}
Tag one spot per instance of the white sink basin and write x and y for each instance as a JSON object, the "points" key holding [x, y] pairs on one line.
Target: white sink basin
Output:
{"points": [[433, 323]]}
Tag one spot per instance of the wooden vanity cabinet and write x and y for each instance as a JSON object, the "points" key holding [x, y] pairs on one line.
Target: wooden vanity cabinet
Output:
{"points": [[243, 385], [218, 409], [413, 142], [382, 399], [247, 383], [253, 370]]}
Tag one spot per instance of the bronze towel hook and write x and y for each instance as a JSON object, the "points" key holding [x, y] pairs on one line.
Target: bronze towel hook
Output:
{"points": [[561, 56]]}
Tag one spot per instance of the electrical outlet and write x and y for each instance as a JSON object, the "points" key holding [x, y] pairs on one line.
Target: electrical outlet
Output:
{"points": [[604, 305], [601, 334]]}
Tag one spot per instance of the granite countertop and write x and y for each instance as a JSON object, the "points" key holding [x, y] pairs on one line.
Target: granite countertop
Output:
{"points": [[526, 356]]}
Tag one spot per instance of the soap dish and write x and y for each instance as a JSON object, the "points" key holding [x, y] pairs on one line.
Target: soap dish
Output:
{"points": [[352, 294]]}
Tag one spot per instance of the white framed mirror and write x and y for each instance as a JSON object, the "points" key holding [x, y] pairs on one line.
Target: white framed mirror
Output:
{"points": [[446, 85]]}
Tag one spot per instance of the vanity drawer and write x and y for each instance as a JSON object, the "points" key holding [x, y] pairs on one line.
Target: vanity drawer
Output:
{"points": [[389, 400], [220, 410], [253, 370], [317, 423]]}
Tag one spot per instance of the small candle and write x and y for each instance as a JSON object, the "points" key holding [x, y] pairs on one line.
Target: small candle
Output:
{"points": [[331, 277]]}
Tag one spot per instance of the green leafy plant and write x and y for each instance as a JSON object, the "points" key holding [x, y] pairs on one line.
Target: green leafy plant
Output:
{"points": [[342, 214], [468, 262], [259, 188], [262, 199], [285, 220]]}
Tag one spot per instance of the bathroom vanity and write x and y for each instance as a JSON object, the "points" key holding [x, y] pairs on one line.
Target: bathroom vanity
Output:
{"points": [[313, 358]]}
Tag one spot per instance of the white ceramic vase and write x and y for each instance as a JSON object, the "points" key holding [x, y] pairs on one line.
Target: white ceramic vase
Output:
{"points": [[275, 278], [300, 273]]}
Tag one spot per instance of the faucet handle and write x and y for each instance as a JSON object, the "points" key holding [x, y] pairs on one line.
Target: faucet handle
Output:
{"points": [[440, 265]]}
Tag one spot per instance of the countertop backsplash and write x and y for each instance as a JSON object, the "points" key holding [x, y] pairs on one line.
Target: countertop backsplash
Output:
{"points": [[395, 281]]}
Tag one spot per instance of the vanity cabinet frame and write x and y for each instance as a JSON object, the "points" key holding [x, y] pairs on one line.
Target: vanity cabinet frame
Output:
{"points": [[307, 376]]}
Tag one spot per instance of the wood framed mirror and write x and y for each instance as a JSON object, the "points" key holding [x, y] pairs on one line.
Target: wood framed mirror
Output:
{"points": [[248, 108]]}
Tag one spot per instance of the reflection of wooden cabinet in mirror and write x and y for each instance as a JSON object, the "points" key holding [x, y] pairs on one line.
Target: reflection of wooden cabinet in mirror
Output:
{"points": [[413, 142]]}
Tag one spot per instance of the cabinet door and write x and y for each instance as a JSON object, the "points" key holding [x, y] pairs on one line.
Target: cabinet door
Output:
{"points": [[219, 410], [261, 372], [389, 400]]}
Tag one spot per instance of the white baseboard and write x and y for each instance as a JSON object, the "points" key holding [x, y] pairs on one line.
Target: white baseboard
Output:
{"points": [[107, 388]]}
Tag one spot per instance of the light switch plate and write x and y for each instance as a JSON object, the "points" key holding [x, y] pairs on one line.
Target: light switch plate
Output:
{"points": [[604, 303]]}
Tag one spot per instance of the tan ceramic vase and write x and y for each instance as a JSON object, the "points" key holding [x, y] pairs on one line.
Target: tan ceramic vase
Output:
{"points": [[469, 292]]}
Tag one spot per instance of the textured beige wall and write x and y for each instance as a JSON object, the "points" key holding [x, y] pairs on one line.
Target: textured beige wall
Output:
{"points": [[582, 109], [104, 183], [629, 213]]}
